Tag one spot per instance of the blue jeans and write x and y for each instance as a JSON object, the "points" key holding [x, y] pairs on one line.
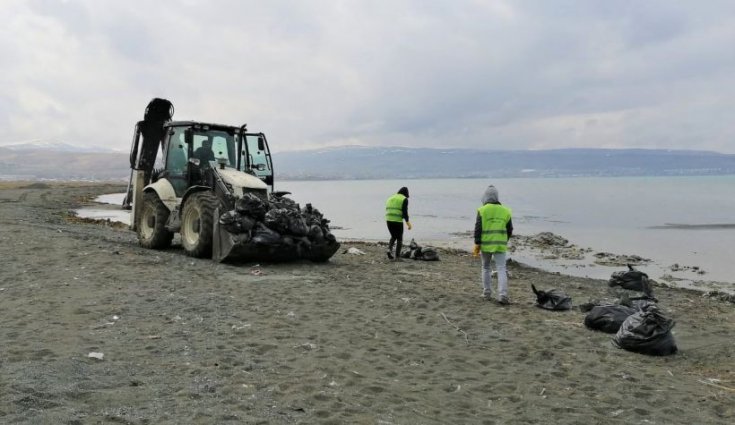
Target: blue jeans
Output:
{"points": [[487, 279]]}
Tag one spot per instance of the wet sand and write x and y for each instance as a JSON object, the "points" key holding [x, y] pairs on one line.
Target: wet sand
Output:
{"points": [[358, 340]]}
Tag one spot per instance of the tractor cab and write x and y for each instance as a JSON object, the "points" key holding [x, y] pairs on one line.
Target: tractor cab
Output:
{"points": [[191, 148]]}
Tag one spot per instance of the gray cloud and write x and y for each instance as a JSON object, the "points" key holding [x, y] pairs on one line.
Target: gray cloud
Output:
{"points": [[472, 73]]}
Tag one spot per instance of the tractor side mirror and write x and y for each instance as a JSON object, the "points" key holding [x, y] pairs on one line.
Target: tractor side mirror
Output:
{"points": [[261, 143]]}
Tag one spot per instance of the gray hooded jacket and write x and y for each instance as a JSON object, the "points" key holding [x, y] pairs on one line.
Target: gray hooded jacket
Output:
{"points": [[490, 197]]}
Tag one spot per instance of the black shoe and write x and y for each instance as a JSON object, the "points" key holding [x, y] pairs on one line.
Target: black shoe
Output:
{"points": [[390, 255]]}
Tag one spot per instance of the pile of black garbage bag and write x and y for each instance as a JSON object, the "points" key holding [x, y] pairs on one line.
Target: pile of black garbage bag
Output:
{"points": [[637, 322], [277, 229], [416, 252], [609, 316]]}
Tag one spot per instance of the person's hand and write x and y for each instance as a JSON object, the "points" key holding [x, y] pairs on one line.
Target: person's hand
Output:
{"points": [[476, 251], [408, 224]]}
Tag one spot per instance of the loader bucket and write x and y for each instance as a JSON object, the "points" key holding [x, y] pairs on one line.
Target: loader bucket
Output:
{"points": [[230, 247]]}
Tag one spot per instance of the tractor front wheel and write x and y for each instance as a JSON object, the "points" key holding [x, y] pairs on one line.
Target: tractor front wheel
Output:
{"points": [[151, 226], [197, 224]]}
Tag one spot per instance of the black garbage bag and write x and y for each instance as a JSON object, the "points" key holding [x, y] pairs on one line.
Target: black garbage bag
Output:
{"points": [[280, 201], [298, 227], [416, 252], [312, 215], [236, 223], [607, 318], [315, 234], [552, 299], [241, 238], [246, 223], [252, 206], [636, 303], [413, 251], [296, 223], [277, 219], [264, 236], [647, 332], [303, 245], [288, 241], [229, 217], [328, 237], [632, 279], [429, 254]]}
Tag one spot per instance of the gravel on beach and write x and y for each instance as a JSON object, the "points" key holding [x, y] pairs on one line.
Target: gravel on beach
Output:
{"points": [[98, 330]]}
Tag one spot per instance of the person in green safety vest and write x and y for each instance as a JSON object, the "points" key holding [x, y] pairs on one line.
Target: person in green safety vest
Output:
{"points": [[396, 210], [493, 228]]}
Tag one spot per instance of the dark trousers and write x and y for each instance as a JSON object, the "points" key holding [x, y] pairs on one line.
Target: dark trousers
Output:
{"points": [[396, 236]]}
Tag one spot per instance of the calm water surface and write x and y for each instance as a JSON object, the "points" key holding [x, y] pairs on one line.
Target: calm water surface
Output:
{"points": [[666, 219]]}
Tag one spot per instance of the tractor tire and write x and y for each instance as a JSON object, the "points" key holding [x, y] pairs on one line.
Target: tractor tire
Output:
{"points": [[151, 226], [197, 224]]}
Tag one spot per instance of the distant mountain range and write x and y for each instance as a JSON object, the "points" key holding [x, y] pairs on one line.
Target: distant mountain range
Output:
{"points": [[67, 162], [57, 162], [42, 145], [380, 163]]}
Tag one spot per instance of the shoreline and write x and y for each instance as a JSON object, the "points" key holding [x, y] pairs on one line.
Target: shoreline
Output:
{"points": [[556, 255], [535, 259]]}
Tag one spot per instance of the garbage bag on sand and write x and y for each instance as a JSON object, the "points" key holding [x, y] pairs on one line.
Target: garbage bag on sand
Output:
{"points": [[632, 279], [416, 252], [429, 254], [647, 332], [637, 303], [552, 299], [607, 318]]}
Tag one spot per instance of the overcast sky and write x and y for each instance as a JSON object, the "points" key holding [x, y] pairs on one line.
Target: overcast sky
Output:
{"points": [[490, 74]]}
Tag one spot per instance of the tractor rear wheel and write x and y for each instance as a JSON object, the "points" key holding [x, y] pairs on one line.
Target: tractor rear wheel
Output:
{"points": [[151, 226], [197, 224]]}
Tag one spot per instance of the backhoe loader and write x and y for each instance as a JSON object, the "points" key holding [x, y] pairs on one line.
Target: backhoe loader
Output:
{"points": [[216, 189]]}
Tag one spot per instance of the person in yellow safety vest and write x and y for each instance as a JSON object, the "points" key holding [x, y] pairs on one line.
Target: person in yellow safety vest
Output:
{"points": [[493, 228], [396, 210]]}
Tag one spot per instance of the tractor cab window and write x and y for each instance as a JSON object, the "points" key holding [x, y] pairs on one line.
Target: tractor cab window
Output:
{"points": [[212, 146], [177, 156], [258, 161]]}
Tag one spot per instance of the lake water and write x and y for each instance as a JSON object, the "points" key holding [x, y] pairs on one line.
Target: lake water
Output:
{"points": [[666, 219]]}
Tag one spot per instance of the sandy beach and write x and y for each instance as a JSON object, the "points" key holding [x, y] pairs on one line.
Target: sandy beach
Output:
{"points": [[358, 340]]}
